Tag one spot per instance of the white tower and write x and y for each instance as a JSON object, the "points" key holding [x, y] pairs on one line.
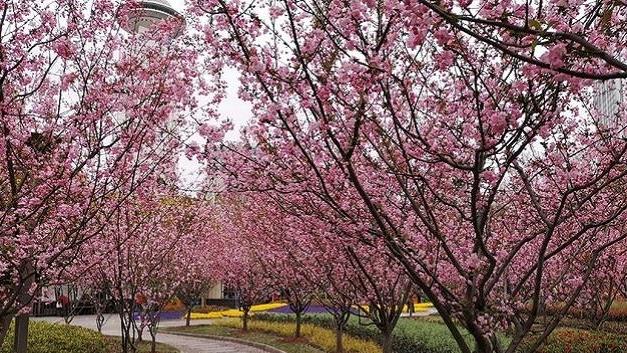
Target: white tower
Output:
{"points": [[143, 15], [148, 13]]}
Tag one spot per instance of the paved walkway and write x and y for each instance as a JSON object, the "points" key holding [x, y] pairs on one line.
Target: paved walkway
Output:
{"points": [[184, 344]]}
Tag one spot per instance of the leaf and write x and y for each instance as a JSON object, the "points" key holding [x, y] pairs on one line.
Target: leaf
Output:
{"points": [[535, 24]]}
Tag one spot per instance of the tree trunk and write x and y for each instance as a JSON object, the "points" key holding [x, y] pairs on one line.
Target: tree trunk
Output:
{"points": [[153, 342], [245, 320], [483, 345], [189, 316], [339, 342], [127, 327], [21, 334], [125, 331], [601, 317], [139, 330], [5, 322], [152, 317], [99, 320], [20, 341], [386, 342], [298, 324]]}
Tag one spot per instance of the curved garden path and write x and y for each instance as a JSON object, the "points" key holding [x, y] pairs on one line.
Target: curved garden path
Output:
{"points": [[184, 343]]}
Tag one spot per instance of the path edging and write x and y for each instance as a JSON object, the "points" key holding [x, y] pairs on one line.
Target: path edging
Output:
{"points": [[262, 346]]}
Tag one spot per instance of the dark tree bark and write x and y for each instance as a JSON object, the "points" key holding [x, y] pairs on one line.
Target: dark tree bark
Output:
{"points": [[246, 310], [20, 340], [188, 316], [298, 324]]}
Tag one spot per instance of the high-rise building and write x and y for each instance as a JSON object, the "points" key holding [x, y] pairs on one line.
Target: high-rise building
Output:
{"points": [[608, 97]]}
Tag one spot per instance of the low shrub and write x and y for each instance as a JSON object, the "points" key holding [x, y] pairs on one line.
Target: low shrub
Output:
{"points": [[430, 336], [320, 337], [174, 304], [410, 336], [582, 341], [45, 337], [420, 336], [618, 311]]}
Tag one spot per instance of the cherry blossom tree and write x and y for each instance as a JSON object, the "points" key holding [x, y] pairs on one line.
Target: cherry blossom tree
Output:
{"points": [[622, 274], [351, 274], [197, 265], [129, 262], [468, 137], [87, 112], [279, 256], [383, 286], [98, 290], [306, 261], [241, 267], [190, 290], [600, 293], [143, 254], [334, 291]]}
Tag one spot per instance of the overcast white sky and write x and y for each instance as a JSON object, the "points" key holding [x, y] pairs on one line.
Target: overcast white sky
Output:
{"points": [[233, 108]]}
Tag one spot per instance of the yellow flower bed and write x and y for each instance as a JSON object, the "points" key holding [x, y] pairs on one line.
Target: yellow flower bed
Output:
{"points": [[418, 307], [266, 307], [320, 337], [234, 312], [213, 315]]}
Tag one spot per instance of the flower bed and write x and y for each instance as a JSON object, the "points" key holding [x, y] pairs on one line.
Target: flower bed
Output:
{"points": [[313, 309], [317, 336], [582, 341], [410, 336], [418, 308], [234, 313], [618, 311], [319, 309]]}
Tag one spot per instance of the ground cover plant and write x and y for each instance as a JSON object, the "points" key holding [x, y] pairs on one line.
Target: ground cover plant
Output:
{"points": [[114, 346], [568, 340], [410, 335], [45, 337], [320, 337]]}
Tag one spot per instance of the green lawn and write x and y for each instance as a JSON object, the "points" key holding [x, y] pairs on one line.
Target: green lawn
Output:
{"points": [[285, 344], [420, 334], [143, 347]]}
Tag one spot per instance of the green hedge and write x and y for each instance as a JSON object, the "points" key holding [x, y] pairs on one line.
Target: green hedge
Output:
{"points": [[45, 337], [413, 336], [410, 336], [582, 341]]}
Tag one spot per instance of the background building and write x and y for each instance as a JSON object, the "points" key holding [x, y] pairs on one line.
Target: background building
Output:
{"points": [[608, 97]]}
